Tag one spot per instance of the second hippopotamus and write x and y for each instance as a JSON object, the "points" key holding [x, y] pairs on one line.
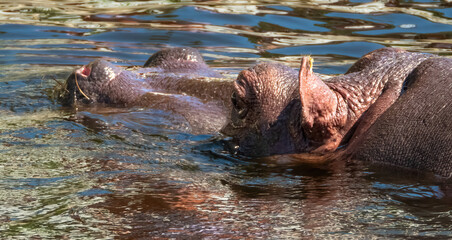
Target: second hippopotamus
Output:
{"points": [[381, 110], [172, 79]]}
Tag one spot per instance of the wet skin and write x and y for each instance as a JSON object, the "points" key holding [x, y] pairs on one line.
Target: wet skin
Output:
{"points": [[416, 131], [277, 112], [173, 79]]}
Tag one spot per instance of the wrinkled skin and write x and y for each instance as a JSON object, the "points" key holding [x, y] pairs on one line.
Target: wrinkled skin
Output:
{"points": [[281, 111], [416, 131], [173, 79], [274, 112], [265, 113]]}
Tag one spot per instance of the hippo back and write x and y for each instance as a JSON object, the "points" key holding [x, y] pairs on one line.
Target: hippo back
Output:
{"points": [[416, 131]]}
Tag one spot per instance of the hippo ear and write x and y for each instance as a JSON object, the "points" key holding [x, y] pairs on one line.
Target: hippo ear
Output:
{"points": [[319, 104]]}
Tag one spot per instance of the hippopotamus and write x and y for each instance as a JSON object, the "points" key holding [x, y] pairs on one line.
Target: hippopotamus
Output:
{"points": [[391, 106], [172, 79]]}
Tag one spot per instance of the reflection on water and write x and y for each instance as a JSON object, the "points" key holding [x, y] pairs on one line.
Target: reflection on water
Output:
{"points": [[105, 172]]}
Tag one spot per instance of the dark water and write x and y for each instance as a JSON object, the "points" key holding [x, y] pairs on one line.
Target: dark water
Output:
{"points": [[103, 173]]}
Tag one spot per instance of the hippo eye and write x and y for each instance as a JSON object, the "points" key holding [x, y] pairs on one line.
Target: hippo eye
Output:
{"points": [[234, 100], [239, 106]]}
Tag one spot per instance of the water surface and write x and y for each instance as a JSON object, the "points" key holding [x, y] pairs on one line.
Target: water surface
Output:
{"points": [[106, 172]]}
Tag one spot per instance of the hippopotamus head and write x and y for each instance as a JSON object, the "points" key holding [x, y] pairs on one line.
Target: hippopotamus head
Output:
{"points": [[277, 112], [99, 81], [265, 103], [103, 82]]}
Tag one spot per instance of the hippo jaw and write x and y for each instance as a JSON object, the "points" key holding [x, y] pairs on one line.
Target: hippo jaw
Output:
{"points": [[265, 138]]}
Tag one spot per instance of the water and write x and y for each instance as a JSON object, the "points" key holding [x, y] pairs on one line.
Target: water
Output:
{"points": [[103, 173]]}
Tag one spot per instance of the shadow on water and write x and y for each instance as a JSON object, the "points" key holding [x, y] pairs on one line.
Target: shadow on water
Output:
{"points": [[109, 172]]}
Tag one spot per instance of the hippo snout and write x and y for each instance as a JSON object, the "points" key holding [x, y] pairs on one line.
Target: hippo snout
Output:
{"points": [[89, 83]]}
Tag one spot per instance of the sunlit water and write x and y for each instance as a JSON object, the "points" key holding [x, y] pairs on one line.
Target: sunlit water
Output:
{"points": [[106, 172]]}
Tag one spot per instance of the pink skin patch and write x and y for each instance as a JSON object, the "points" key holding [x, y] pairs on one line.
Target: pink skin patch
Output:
{"points": [[84, 71]]}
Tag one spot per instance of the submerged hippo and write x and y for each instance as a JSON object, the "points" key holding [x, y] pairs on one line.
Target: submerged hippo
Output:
{"points": [[391, 106], [173, 79]]}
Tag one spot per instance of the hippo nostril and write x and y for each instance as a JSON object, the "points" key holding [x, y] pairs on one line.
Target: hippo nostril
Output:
{"points": [[85, 71]]}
